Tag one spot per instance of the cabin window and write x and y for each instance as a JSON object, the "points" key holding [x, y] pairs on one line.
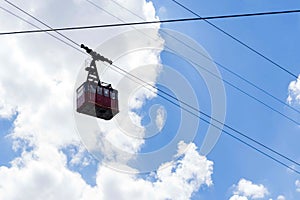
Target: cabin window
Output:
{"points": [[80, 91], [92, 89], [99, 90], [112, 95], [106, 92]]}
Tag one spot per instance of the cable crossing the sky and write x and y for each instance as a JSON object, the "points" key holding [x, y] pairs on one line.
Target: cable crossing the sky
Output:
{"points": [[237, 40], [151, 22], [226, 132], [28, 22], [227, 69], [253, 14], [216, 76], [41, 22], [200, 53]]}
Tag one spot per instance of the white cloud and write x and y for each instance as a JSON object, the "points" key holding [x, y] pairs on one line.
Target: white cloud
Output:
{"points": [[176, 181], [297, 184], [79, 156], [6, 110], [185, 175], [294, 92], [237, 197], [160, 118], [37, 77], [173, 180], [149, 12], [42, 174], [246, 189], [280, 197]]}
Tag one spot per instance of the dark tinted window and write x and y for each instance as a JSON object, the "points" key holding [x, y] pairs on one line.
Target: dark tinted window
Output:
{"points": [[112, 95], [99, 90], [106, 92]]}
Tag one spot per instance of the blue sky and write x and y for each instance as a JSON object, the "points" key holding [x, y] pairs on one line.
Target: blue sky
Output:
{"points": [[277, 37], [7, 153]]}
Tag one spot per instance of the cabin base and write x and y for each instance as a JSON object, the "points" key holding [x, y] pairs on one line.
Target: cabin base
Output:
{"points": [[91, 109]]}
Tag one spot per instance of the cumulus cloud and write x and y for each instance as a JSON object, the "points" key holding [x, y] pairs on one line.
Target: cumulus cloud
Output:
{"points": [[6, 110], [42, 174], [160, 118], [38, 80], [246, 189], [237, 197], [294, 92], [281, 197], [174, 180]]}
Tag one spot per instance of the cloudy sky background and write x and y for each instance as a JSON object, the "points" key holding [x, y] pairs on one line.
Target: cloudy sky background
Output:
{"points": [[42, 156]]}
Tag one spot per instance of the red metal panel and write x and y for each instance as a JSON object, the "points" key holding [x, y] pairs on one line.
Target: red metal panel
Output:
{"points": [[114, 104], [105, 102]]}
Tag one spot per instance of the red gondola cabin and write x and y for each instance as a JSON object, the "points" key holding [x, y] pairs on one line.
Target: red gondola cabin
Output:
{"points": [[97, 100]]}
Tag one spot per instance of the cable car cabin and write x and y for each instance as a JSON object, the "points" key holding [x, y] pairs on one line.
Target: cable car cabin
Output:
{"points": [[97, 100]]}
